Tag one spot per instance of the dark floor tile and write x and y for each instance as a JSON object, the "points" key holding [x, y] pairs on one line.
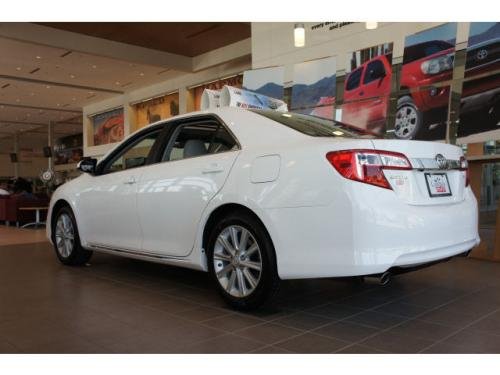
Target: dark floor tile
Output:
{"points": [[359, 349], [303, 320], [448, 317], [72, 345], [446, 348], [423, 329], [268, 333], [346, 331], [271, 349], [392, 343], [376, 319], [489, 324], [8, 348], [335, 311], [226, 344], [203, 313], [402, 309], [233, 322], [475, 342], [310, 343]]}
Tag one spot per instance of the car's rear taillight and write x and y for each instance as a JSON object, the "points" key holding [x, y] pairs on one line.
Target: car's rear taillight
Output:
{"points": [[367, 165], [464, 166]]}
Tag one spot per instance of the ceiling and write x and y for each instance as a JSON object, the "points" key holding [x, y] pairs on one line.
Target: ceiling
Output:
{"points": [[183, 38], [42, 82]]}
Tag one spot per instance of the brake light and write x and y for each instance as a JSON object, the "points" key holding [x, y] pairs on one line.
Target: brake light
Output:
{"points": [[464, 166], [367, 165]]}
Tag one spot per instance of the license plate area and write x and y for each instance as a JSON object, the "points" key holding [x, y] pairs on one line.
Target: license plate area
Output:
{"points": [[437, 184]]}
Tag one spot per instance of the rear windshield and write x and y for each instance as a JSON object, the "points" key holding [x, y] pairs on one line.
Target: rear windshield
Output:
{"points": [[421, 50], [312, 125]]}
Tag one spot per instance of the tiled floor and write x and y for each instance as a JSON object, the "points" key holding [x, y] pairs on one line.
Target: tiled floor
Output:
{"points": [[127, 306]]}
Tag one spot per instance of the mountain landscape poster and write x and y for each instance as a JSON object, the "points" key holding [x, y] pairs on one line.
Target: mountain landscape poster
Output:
{"points": [[266, 81], [313, 90]]}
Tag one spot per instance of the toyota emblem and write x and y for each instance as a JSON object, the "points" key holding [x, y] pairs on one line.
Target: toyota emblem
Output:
{"points": [[441, 161], [481, 54]]}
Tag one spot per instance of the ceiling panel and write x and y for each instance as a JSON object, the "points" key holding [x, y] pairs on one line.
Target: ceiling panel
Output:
{"points": [[182, 38]]}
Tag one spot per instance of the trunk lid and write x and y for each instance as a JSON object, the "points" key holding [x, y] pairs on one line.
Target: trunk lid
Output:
{"points": [[430, 182]]}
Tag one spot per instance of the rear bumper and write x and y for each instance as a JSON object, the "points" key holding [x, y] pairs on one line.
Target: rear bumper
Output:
{"points": [[362, 235]]}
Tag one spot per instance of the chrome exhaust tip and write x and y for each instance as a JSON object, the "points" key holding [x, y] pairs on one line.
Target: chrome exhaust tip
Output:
{"points": [[381, 279]]}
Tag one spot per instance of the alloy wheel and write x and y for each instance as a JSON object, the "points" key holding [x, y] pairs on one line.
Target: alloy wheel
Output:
{"points": [[237, 261], [406, 121], [65, 235]]}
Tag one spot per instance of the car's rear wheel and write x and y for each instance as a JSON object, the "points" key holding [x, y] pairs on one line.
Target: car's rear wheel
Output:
{"points": [[67, 240], [242, 261], [409, 122]]}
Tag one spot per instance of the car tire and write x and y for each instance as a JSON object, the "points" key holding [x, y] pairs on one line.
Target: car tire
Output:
{"points": [[241, 286], [409, 121], [66, 239]]}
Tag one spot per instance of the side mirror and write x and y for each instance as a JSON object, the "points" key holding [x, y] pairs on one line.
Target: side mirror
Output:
{"points": [[87, 165]]}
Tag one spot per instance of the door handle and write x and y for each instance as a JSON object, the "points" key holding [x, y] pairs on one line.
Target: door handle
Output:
{"points": [[212, 168], [130, 181], [361, 93]]}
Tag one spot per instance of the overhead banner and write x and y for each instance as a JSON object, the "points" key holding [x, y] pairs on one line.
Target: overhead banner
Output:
{"points": [[156, 109], [268, 81], [108, 127], [313, 90]]}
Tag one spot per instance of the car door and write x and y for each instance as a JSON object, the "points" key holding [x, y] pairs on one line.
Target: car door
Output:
{"points": [[353, 93], [174, 192], [109, 203], [376, 90]]}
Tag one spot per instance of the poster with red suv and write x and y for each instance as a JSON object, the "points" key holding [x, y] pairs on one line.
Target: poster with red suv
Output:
{"points": [[367, 88], [313, 90], [427, 64], [480, 103]]}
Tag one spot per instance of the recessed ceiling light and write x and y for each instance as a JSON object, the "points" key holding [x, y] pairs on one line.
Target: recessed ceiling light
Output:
{"points": [[18, 100], [38, 57], [117, 83], [47, 87], [18, 68], [72, 76], [58, 104], [94, 66], [141, 74], [73, 99]]}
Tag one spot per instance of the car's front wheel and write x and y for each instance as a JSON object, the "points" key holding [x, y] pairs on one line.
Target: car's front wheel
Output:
{"points": [[67, 240], [409, 123], [242, 261]]}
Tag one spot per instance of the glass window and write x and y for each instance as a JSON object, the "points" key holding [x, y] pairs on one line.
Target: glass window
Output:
{"points": [[312, 125], [421, 50], [135, 155], [374, 71], [199, 139], [354, 79]]}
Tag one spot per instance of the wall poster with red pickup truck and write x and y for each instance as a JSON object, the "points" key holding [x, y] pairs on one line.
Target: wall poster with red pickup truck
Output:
{"points": [[313, 90], [480, 102], [367, 88]]}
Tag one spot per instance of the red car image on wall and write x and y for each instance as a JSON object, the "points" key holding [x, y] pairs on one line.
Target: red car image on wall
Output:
{"points": [[367, 89]]}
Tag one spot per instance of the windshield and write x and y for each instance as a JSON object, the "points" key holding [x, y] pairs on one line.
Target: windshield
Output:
{"points": [[312, 125], [421, 50]]}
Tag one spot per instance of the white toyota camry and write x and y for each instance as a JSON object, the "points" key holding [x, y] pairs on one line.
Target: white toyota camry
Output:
{"points": [[255, 196]]}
